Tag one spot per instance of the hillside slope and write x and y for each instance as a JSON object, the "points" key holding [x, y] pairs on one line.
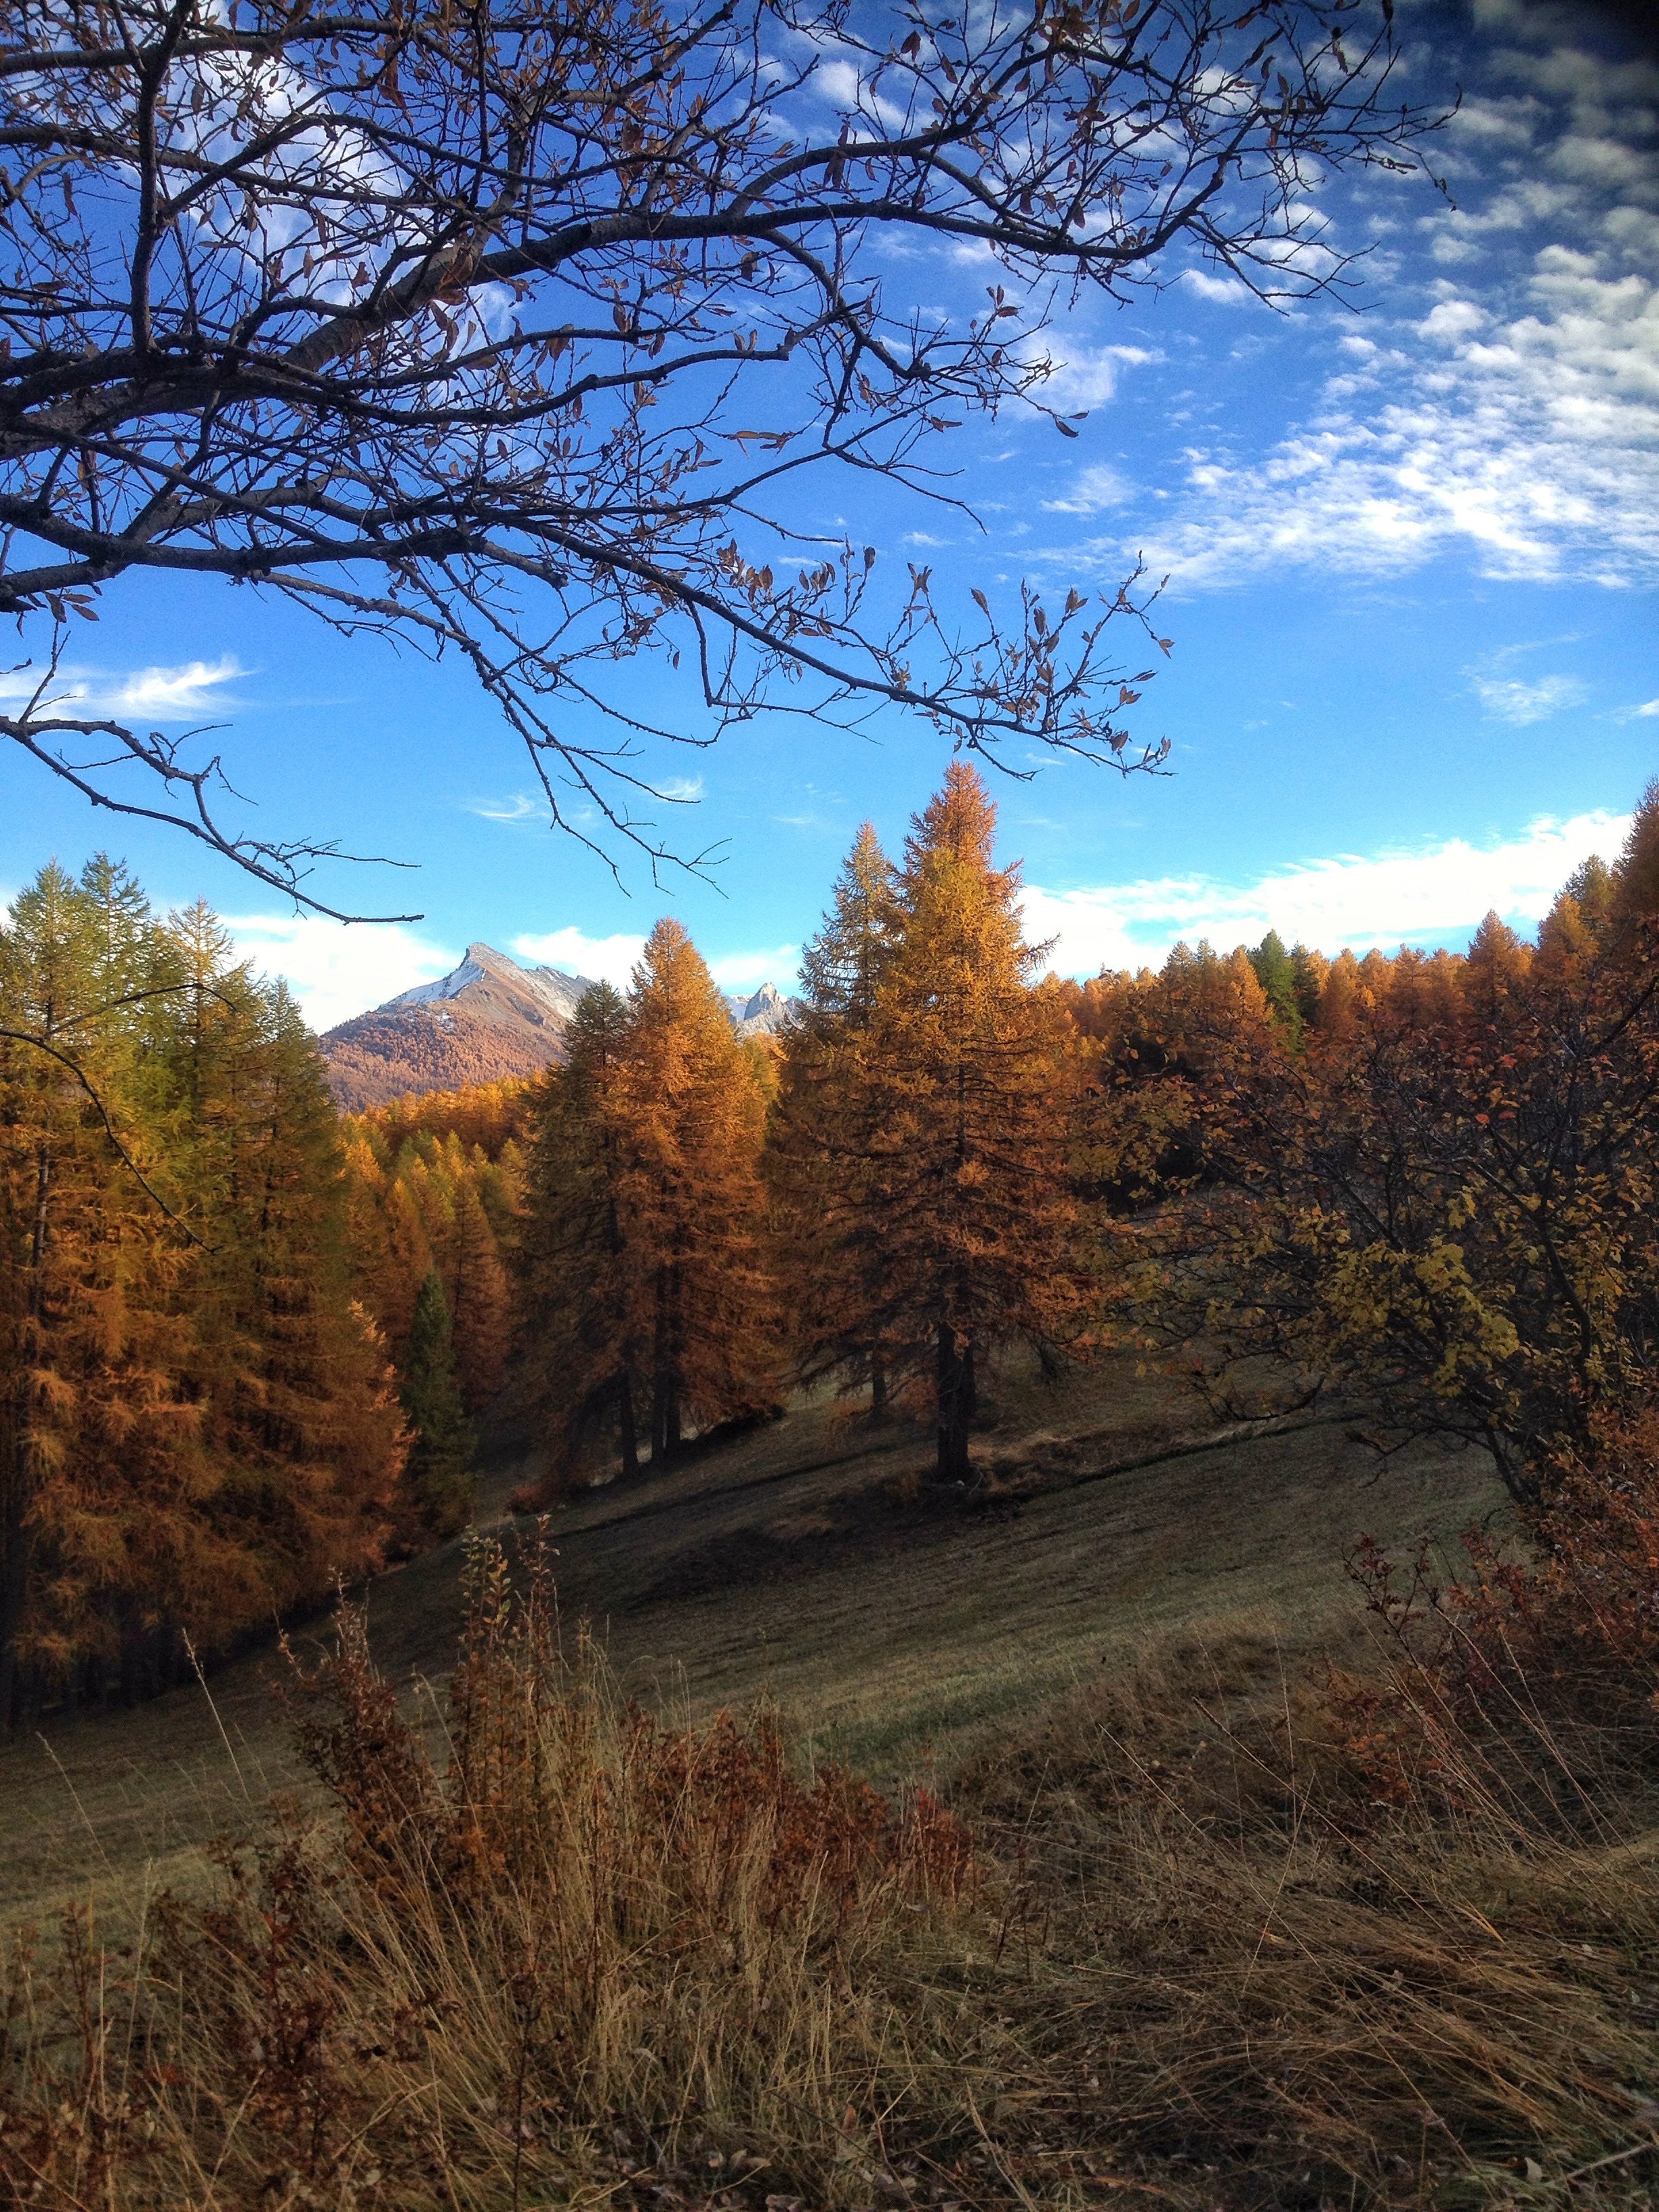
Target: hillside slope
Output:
{"points": [[804, 1563], [487, 1020], [389, 1054]]}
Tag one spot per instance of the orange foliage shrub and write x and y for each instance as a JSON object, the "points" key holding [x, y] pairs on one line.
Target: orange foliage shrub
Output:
{"points": [[587, 1955], [1544, 1645]]}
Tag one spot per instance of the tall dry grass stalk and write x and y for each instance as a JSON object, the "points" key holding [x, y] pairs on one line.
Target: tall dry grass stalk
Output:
{"points": [[1314, 1996]]}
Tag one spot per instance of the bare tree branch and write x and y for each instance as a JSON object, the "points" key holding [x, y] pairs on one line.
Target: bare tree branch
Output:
{"points": [[517, 326]]}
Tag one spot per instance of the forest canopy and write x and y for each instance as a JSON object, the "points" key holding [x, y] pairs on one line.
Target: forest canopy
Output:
{"points": [[197, 1424]]}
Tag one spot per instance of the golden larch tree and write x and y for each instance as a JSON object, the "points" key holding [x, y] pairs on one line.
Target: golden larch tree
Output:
{"points": [[969, 1083]]}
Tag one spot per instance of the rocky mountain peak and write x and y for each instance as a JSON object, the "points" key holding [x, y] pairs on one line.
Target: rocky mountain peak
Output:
{"points": [[487, 1018]]}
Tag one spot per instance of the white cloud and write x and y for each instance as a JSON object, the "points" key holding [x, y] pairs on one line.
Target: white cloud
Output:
{"points": [[1453, 319], [683, 789], [1508, 701], [521, 807], [601, 960], [337, 969], [1226, 291], [162, 695], [1387, 898], [1538, 447], [613, 959], [747, 971], [1086, 376], [841, 83], [1511, 122], [1095, 489], [1648, 706]]}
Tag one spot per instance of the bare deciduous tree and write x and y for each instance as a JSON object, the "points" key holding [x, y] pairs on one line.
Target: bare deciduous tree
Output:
{"points": [[509, 332]]}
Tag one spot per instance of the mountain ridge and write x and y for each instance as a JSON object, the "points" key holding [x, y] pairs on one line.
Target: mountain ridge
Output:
{"points": [[489, 1019]]}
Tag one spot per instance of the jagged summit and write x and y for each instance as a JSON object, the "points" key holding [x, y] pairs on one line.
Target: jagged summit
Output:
{"points": [[765, 1013], [496, 988], [488, 1018]]}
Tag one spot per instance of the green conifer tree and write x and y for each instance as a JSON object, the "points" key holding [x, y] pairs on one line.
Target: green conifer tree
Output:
{"points": [[436, 1495], [1275, 970]]}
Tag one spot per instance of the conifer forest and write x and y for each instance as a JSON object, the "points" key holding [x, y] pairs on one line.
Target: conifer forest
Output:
{"points": [[248, 1337]]}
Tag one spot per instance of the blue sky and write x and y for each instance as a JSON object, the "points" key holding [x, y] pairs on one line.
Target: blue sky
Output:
{"points": [[1412, 553]]}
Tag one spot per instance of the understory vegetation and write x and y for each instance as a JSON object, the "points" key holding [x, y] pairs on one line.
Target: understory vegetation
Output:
{"points": [[1236, 1927]]}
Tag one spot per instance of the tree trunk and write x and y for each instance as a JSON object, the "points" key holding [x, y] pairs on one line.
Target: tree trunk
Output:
{"points": [[877, 1389], [14, 1584], [956, 1404], [659, 1385], [669, 1366]]}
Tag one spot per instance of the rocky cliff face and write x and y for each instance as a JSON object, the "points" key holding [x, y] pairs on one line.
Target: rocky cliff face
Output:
{"points": [[765, 1014], [493, 989], [487, 1020]]}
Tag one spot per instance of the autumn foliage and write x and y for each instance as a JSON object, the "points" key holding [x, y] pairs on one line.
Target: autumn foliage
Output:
{"points": [[1434, 1190], [649, 1299], [248, 1343], [924, 1125], [199, 1422]]}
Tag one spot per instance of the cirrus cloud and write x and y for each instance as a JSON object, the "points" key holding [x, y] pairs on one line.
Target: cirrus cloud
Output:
{"points": [[162, 695], [1507, 698]]}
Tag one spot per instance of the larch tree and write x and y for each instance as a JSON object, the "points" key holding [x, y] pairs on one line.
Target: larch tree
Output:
{"points": [[298, 1414], [94, 1419], [579, 1302], [968, 1170], [424, 1193], [692, 1105], [435, 1494], [198, 1427], [475, 1286], [819, 1155]]}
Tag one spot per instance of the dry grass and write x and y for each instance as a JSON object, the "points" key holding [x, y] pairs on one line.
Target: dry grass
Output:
{"points": [[584, 1960], [1261, 1973], [1180, 1955], [898, 1641]]}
